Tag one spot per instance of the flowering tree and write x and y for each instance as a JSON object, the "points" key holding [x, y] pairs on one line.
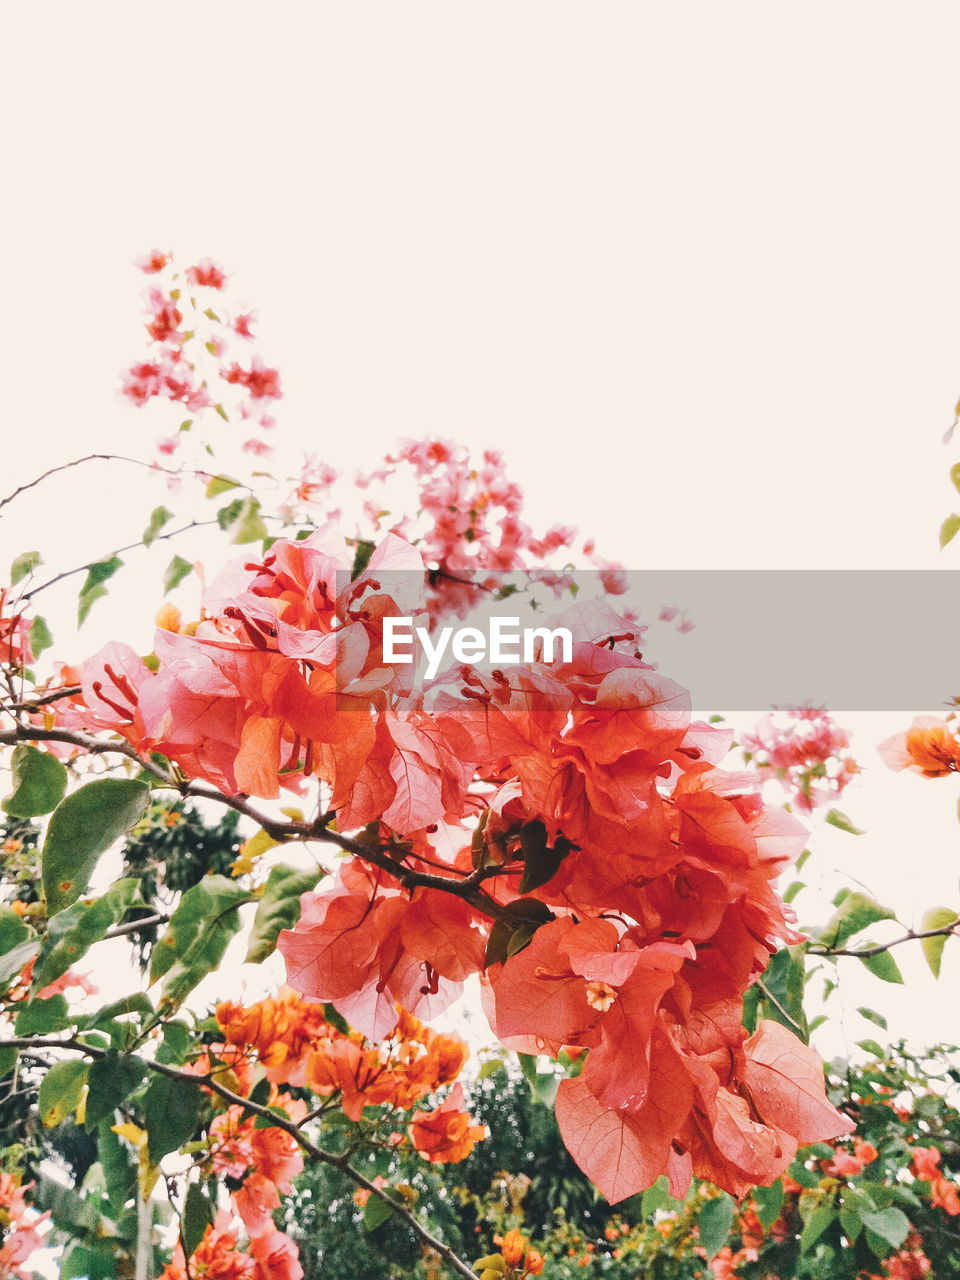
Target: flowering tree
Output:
{"points": [[560, 827]]}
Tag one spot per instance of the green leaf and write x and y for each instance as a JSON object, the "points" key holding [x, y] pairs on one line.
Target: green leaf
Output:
{"points": [[198, 1214], [171, 1111], [799, 1172], [175, 572], [335, 1019], [543, 1087], [112, 1080], [61, 1090], [517, 924], [278, 908], [197, 936], [780, 991], [24, 564], [851, 1223], [872, 1016], [948, 530], [714, 1222], [935, 918], [18, 944], [227, 515], [159, 516], [176, 1045], [769, 1201], [39, 782], [40, 1016], [490, 1068], [82, 827], [872, 1046], [220, 484], [93, 588], [657, 1197], [93, 1260], [249, 525], [857, 911], [135, 1003], [820, 1219], [840, 820], [72, 932], [891, 1225], [40, 637], [119, 1172], [541, 861], [376, 1212], [75, 1216], [882, 965], [361, 557]]}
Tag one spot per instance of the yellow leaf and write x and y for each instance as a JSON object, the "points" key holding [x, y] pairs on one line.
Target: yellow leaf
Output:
{"points": [[132, 1133], [250, 851]]}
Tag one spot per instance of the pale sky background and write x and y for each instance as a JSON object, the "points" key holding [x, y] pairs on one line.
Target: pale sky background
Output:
{"points": [[693, 267]]}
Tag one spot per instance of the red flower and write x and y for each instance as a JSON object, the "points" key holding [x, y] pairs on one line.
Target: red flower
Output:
{"points": [[206, 273], [151, 263]]}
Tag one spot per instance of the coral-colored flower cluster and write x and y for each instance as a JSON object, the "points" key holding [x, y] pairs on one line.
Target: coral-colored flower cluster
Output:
{"points": [[944, 1193], [290, 1038], [471, 527], [521, 1258], [640, 874], [806, 751], [20, 1236], [190, 341], [289, 1041]]}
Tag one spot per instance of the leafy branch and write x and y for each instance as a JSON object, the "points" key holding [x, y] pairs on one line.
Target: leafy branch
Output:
{"points": [[284, 832], [308, 1146], [912, 935]]}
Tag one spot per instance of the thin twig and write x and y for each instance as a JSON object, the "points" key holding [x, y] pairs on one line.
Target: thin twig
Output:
{"points": [[134, 926], [948, 931], [37, 704], [96, 746], [131, 546], [115, 457]]}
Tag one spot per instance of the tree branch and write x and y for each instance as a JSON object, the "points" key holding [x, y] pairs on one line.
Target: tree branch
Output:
{"points": [[332, 1158], [96, 746], [284, 832], [948, 931], [134, 926], [111, 457], [131, 546]]}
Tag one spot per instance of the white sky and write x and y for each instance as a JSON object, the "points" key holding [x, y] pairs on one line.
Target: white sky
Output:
{"points": [[694, 267]]}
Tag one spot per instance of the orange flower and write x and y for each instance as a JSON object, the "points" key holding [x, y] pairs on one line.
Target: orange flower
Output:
{"points": [[216, 1257], [513, 1247], [928, 747], [446, 1135], [278, 1257], [533, 1262]]}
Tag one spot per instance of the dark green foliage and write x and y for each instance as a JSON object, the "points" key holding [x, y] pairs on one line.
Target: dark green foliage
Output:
{"points": [[174, 850]]}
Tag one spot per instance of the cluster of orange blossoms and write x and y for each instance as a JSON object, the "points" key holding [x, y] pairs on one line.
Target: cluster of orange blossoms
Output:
{"points": [[288, 1041]]}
